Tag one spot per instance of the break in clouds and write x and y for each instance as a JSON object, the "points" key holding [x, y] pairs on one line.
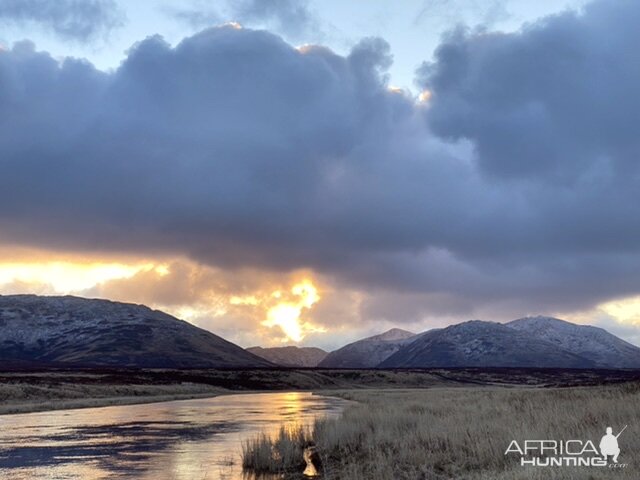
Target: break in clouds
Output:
{"points": [[513, 188]]}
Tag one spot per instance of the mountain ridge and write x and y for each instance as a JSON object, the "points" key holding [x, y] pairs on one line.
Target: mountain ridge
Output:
{"points": [[69, 330], [367, 352], [60, 331], [605, 348], [478, 343]]}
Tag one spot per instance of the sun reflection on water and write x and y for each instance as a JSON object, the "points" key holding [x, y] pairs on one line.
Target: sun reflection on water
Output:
{"points": [[184, 440]]}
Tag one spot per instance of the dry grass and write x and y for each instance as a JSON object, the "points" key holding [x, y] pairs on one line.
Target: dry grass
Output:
{"points": [[463, 433], [279, 454], [22, 397]]}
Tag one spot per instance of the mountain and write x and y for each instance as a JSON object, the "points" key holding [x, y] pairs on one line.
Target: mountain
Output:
{"points": [[291, 356], [368, 352], [73, 331], [483, 344], [594, 343], [393, 335]]}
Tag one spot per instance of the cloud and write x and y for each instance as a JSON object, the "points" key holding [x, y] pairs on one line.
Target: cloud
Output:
{"points": [[489, 12], [232, 142], [292, 18], [77, 20], [19, 286], [620, 316], [289, 16], [512, 190], [242, 304], [629, 333], [554, 100], [200, 15]]}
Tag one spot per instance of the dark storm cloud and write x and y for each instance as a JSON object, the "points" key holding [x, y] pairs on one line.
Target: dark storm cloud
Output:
{"points": [[79, 20], [234, 145], [557, 99], [239, 150]]}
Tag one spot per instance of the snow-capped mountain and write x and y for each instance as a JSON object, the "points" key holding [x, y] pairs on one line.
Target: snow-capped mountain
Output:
{"points": [[38, 330], [368, 352], [291, 356], [594, 343], [483, 344], [72, 331]]}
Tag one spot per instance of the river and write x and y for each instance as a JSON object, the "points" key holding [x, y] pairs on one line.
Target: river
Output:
{"points": [[182, 440]]}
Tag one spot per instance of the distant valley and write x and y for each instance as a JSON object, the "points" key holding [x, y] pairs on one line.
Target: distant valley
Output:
{"points": [[291, 356]]}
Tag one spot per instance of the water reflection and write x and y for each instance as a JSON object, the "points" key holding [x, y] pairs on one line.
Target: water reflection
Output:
{"points": [[184, 440]]}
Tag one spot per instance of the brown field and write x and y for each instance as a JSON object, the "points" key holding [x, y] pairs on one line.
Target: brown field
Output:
{"points": [[462, 433], [25, 391], [24, 397], [404, 424]]}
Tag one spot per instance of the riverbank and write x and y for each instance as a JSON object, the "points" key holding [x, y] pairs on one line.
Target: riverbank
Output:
{"points": [[445, 433], [26, 398], [28, 391], [186, 440]]}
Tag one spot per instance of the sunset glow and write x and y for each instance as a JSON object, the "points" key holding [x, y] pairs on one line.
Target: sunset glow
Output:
{"points": [[626, 310], [391, 210], [424, 96], [67, 277], [286, 314], [179, 287], [275, 173]]}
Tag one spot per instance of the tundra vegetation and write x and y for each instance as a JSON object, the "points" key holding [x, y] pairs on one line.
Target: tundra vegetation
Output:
{"points": [[446, 433], [29, 390]]}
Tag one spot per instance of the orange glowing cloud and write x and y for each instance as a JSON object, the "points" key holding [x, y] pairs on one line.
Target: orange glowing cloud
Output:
{"points": [[287, 314], [424, 96], [247, 306], [66, 277]]}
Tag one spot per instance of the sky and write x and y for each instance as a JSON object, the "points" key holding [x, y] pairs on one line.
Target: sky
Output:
{"points": [[310, 172]]}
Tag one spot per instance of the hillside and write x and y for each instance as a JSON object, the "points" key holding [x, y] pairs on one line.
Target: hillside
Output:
{"points": [[482, 344], [73, 331], [368, 352], [595, 343]]}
